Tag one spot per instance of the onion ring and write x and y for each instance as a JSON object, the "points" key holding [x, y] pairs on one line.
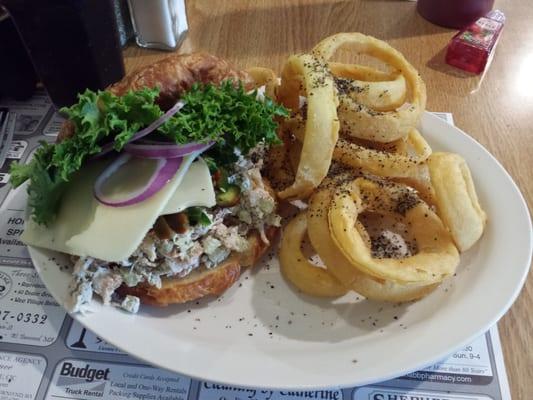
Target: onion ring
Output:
{"points": [[379, 95], [421, 182], [401, 160], [277, 166], [408, 154], [342, 269], [362, 122], [265, 77], [361, 72], [456, 198], [437, 257], [321, 126], [413, 145], [298, 270], [294, 154], [383, 163]]}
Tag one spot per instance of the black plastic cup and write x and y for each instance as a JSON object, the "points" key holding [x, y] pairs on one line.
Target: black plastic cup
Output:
{"points": [[73, 44]]}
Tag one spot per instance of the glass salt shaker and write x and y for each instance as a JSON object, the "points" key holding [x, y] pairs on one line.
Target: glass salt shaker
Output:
{"points": [[159, 24]]}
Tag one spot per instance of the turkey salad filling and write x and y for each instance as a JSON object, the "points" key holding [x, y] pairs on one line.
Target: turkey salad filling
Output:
{"points": [[191, 240]]}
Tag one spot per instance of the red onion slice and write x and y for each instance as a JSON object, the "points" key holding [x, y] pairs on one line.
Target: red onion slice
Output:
{"points": [[165, 150], [106, 148], [165, 171]]}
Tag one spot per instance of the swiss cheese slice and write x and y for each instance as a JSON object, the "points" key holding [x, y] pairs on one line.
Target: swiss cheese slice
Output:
{"points": [[196, 189], [85, 227]]}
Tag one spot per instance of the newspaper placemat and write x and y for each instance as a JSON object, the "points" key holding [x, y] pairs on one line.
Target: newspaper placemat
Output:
{"points": [[45, 355]]}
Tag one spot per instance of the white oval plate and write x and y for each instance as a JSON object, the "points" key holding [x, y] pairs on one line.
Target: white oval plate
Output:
{"points": [[262, 333]]}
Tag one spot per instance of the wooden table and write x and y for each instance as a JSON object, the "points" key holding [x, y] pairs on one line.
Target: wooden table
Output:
{"points": [[496, 110]]}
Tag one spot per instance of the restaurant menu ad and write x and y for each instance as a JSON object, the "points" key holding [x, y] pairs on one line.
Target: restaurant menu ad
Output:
{"points": [[45, 355]]}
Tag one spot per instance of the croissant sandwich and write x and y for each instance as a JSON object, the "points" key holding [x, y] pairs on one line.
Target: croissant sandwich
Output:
{"points": [[154, 186]]}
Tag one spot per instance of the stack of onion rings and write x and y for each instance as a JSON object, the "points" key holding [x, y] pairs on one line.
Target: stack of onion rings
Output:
{"points": [[378, 165]]}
